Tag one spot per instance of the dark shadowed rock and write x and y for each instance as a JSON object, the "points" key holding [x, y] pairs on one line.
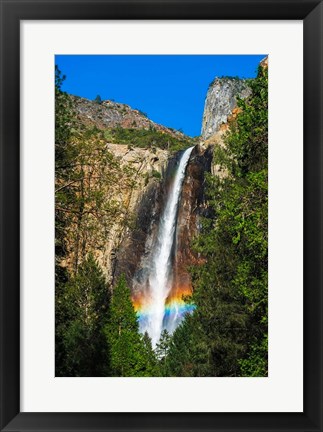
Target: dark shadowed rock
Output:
{"points": [[190, 209]]}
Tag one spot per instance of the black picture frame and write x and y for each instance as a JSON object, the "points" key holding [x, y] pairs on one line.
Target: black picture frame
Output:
{"points": [[12, 12]]}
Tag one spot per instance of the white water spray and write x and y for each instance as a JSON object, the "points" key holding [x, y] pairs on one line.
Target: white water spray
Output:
{"points": [[159, 278]]}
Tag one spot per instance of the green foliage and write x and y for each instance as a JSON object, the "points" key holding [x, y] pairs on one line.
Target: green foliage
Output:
{"points": [[63, 111], [152, 367], [147, 138], [227, 333], [156, 174], [131, 353], [255, 364], [108, 135], [162, 349], [188, 353], [96, 336], [247, 141], [98, 100], [81, 315], [86, 186], [122, 331], [64, 154]]}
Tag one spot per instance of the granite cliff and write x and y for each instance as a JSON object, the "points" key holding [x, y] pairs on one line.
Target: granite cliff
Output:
{"points": [[220, 103]]}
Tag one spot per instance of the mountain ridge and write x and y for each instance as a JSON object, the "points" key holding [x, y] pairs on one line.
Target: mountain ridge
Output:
{"points": [[109, 114]]}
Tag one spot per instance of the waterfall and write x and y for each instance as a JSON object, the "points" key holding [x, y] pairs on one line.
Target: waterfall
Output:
{"points": [[159, 271]]}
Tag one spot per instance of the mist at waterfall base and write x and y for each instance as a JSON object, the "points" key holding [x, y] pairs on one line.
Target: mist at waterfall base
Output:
{"points": [[159, 303]]}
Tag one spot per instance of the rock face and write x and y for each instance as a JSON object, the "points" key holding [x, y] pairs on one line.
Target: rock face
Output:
{"points": [[149, 167], [220, 102], [137, 172], [264, 62], [133, 246], [136, 245], [109, 114], [188, 223]]}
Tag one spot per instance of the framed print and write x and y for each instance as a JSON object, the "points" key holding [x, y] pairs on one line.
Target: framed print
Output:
{"points": [[161, 215]]}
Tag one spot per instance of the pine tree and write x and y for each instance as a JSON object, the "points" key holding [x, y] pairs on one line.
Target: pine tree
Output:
{"points": [[98, 99], [189, 353], [149, 359], [131, 354], [161, 350], [83, 311], [63, 155]]}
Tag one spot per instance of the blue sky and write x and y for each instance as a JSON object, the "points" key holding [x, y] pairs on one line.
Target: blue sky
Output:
{"points": [[171, 89]]}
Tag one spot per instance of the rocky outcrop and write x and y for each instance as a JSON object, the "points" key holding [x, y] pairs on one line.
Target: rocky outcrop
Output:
{"points": [[220, 103], [217, 140], [264, 62], [109, 114]]}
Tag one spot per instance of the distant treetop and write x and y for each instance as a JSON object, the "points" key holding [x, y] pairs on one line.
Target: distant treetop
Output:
{"points": [[98, 99]]}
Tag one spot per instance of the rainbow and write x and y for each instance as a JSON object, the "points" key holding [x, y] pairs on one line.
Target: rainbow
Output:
{"points": [[175, 306]]}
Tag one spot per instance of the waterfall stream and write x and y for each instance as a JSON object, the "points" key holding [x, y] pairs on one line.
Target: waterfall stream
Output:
{"points": [[158, 282]]}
